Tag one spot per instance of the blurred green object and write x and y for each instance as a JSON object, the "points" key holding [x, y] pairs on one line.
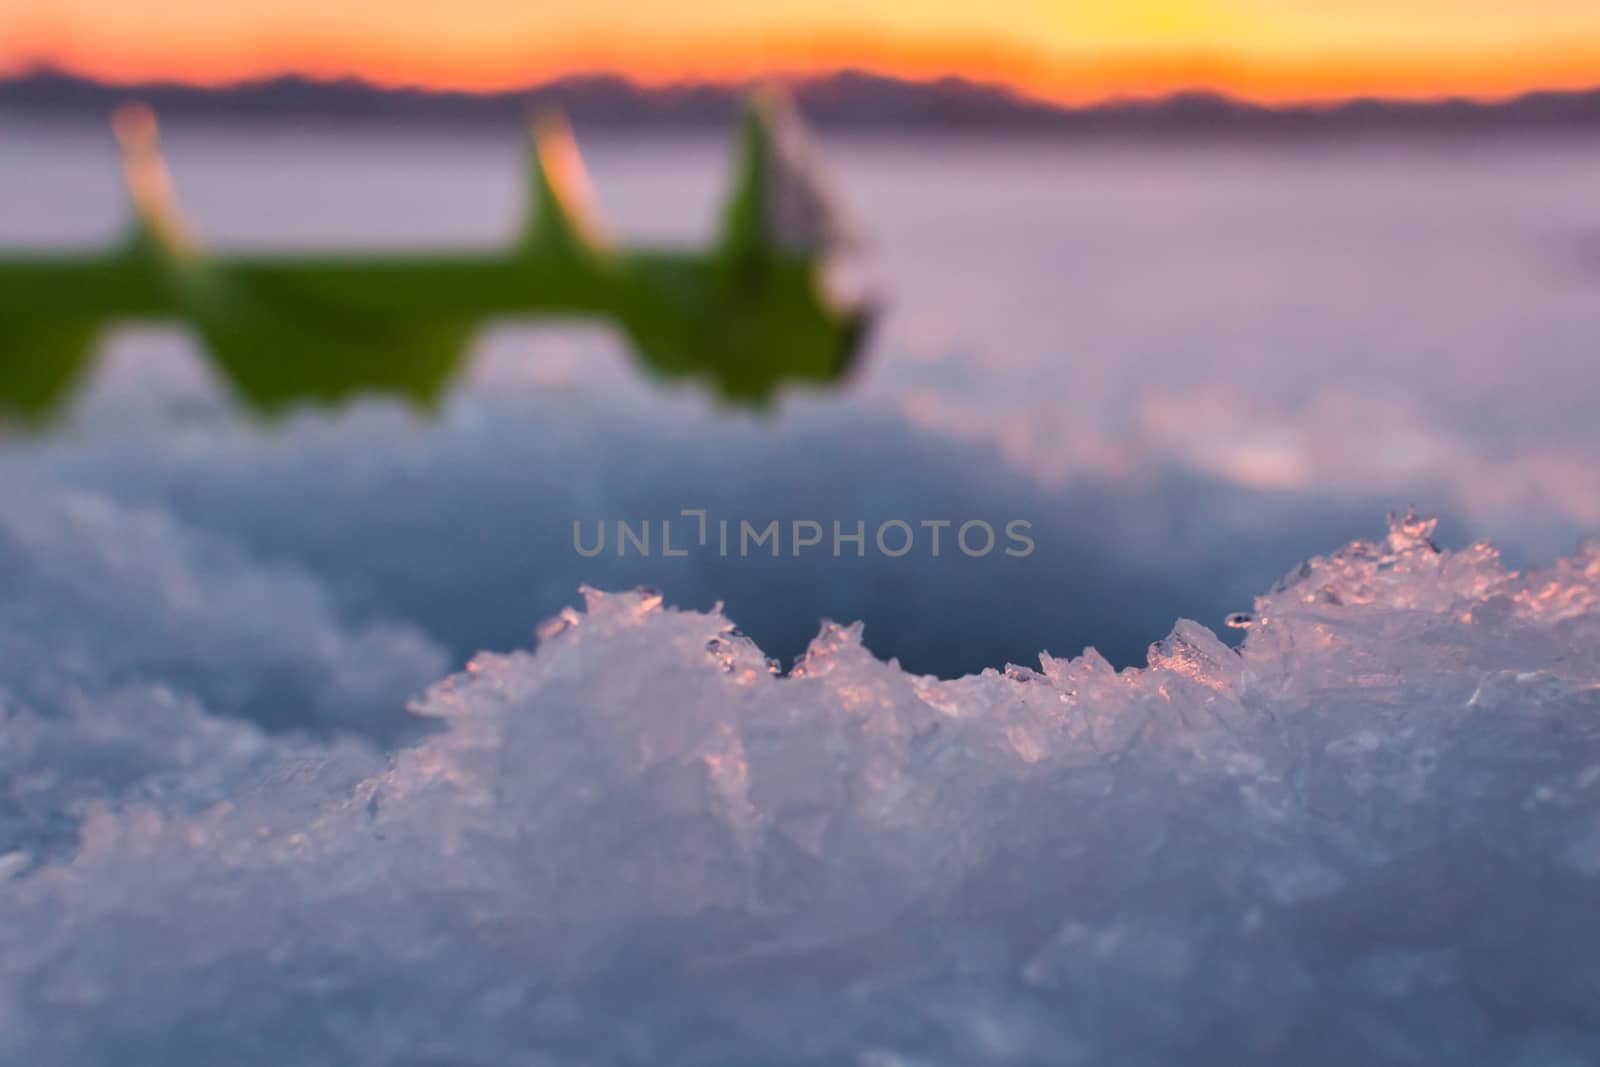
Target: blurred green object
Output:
{"points": [[746, 315]]}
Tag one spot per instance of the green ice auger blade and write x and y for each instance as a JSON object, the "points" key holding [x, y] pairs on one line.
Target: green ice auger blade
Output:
{"points": [[746, 316]]}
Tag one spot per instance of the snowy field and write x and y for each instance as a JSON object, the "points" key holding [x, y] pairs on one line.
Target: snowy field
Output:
{"points": [[287, 776]]}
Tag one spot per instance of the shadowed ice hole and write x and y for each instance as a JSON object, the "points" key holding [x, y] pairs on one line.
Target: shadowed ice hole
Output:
{"points": [[462, 525]]}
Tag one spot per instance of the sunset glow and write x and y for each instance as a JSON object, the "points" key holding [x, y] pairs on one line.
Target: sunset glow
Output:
{"points": [[1271, 50]]}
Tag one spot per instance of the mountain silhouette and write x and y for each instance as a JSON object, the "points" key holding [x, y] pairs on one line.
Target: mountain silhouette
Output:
{"points": [[848, 99]]}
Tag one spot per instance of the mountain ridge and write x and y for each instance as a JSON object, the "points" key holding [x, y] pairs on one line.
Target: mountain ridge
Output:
{"points": [[844, 100]]}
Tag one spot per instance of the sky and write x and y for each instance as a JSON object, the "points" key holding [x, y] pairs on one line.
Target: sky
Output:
{"points": [[1067, 50]]}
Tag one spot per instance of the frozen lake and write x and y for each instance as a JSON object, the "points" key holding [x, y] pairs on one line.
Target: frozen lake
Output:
{"points": [[256, 806]]}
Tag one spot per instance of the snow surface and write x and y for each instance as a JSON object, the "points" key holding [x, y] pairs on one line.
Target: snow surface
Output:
{"points": [[99, 595], [140, 659], [1370, 836]]}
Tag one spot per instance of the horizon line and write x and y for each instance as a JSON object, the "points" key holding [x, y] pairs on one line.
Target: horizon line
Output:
{"points": [[354, 79]]}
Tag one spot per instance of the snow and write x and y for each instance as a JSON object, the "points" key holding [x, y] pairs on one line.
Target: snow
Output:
{"points": [[1368, 836], [143, 660], [100, 595]]}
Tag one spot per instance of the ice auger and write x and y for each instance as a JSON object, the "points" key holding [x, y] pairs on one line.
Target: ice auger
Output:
{"points": [[745, 315]]}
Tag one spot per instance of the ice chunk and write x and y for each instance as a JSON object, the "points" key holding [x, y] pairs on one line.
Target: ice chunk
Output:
{"points": [[1368, 836]]}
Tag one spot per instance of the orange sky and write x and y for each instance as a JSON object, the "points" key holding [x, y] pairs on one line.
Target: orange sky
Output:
{"points": [[1072, 50]]}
